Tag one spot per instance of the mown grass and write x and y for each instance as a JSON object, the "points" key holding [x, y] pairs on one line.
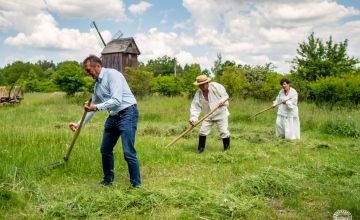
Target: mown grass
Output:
{"points": [[261, 177]]}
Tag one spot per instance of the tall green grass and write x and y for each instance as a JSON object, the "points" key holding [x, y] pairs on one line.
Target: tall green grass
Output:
{"points": [[261, 177]]}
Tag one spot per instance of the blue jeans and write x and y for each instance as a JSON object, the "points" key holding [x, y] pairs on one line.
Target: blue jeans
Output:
{"points": [[124, 124]]}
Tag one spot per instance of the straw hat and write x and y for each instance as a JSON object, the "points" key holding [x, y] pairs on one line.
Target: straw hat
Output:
{"points": [[201, 80]]}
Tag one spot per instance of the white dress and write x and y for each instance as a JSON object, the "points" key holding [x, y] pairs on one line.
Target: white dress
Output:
{"points": [[287, 121]]}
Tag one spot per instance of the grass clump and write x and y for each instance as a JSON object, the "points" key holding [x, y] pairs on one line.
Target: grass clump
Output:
{"points": [[271, 183], [9, 200], [204, 203], [111, 201], [345, 128]]}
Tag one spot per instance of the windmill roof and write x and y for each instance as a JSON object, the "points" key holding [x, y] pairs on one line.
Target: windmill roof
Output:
{"points": [[122, 45]]}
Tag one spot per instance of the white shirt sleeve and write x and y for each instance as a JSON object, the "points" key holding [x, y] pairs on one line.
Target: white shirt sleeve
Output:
{"points": [[292, 102], [89, 115], [195, 108], [221, 89], [277, 99]]}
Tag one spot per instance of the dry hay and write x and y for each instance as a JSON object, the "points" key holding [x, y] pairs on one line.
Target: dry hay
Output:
{"points": [[3, 92]]}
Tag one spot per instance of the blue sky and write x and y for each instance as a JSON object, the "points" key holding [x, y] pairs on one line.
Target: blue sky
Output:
{"points": [[193, 31]]}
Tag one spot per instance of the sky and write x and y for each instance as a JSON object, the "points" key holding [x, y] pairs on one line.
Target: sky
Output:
{"points": [[193, 31]]}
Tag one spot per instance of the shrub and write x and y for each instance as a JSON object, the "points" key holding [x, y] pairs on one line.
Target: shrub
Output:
{"points": [[168, 85], [89, 84], [69, 77], [139, 80], [347, 128], [336, 91], [234, 82], [47, 85], [270, 88]]}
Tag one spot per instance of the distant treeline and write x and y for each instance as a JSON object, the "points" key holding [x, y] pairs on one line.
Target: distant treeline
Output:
{"points": [[321, 72]]}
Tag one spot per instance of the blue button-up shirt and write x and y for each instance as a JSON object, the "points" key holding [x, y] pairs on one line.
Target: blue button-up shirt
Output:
{"points": [[111, 93]]}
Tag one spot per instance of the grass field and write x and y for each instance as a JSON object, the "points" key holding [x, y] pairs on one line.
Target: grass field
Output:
{"points": [[261, 177]]}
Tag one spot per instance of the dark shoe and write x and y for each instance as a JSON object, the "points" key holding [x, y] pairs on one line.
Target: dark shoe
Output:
{"points": [[226, 142], [202, 142], [137, 187], [106, 183], [199, 150]]}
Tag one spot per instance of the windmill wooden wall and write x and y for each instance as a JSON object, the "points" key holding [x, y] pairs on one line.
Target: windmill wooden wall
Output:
{"points": [[120, 53]]}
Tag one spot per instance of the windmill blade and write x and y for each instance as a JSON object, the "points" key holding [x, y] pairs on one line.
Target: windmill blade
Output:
{"points": [[101, 44], [93, 25], [118, 35]]}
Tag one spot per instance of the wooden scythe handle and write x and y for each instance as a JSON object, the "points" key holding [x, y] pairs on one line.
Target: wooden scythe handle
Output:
{"points": [[76, 135]]}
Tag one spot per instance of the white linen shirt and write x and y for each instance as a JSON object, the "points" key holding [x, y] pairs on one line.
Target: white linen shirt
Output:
{"points": [[290, 109], [217, 94]]}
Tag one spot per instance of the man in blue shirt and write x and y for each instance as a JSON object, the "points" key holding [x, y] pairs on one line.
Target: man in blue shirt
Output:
{"points": [[112, 93]]}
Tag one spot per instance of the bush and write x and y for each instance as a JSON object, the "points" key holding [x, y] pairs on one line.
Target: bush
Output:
{"points": [[139, 80], [271, 87], [47, 85], [168, 85], [234, 82], [336, 91], [69, 77], [189, 75], [260, 82], [89, 84], [347, 128]]}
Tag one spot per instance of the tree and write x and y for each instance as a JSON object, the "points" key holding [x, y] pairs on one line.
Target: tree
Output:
{"points": [[316, 59], [2, 79], [189, 75], [234, 81], [168, 85], [161, 66], [44, 64], [140, 81], [13, 72], [257, 76], [69, 77], [29, 82], [217, 69]]}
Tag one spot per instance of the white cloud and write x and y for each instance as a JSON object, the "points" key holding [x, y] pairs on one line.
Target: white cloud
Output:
{"points": [[185, 57], [137, 9], [38, 29], [46, 34], [20, 15], [94, 9], [154, 44], [295, 14], [265, 31], [23, 57], [182, 25], [248, 32]]}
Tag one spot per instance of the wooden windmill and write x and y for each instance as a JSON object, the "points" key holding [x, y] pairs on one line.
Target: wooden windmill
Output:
{"points": [[119, 52]]}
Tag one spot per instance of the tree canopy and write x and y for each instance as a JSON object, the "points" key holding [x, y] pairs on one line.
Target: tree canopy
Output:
{"points": [[316, 59]]}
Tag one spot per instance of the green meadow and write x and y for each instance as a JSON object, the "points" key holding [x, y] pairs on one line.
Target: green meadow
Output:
{"points": [[261, 177]]}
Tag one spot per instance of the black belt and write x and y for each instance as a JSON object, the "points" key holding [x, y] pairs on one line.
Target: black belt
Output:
{"points": [[124, 110]]}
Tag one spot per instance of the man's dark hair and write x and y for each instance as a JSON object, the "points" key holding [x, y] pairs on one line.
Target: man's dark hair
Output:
{"points": [[92, 59], [284, 80]]}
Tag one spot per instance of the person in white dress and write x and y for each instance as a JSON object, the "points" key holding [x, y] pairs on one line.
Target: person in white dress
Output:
{"points": [[209, 96], [287, 121]]}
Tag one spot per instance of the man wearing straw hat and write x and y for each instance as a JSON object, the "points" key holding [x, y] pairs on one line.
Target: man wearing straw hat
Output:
{"points": [[209, 96]]}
